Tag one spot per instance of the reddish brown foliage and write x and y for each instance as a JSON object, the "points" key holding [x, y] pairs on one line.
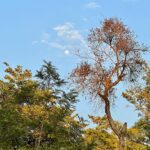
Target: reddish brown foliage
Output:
{"points": [[115, 57]]}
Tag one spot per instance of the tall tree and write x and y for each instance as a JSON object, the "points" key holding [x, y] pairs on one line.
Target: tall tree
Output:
{"points": [[49, 76], [114, 56]]}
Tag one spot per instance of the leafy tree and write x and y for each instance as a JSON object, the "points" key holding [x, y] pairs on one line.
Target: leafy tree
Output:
{"points": [[140, 97], [32, 117], [48, 76], [101, 137], [139, 133], [114, 56]]}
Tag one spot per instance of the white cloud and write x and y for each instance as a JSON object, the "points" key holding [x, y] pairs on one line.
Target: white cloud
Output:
{"points": [[60, 46], [92, 5], [67, 31], [45, 38], [68, 39]]}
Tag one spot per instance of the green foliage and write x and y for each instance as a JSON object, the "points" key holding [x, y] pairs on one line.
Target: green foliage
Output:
{"points": [[48, 76], [100, 137], [32, 117], [140, 98]]}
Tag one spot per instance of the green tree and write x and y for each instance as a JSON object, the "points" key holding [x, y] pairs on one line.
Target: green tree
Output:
{"points": [[140, 97], [100, 137], [32, 117], [48, 76]]}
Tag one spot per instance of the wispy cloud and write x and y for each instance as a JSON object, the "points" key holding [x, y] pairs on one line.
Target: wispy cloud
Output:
{"points": [[67, 39], [67, 31], [72, 36], [60, 46], [92, 5], [57, 45], [45, 38]]}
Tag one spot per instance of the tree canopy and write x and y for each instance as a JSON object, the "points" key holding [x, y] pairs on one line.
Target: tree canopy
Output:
{"points": [[35, 117]]}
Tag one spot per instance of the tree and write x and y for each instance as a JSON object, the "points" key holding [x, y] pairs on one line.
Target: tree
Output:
{"points": [[48, 76], [101, 136], [140, 133], [32, 117], [140, 97], [114, 56]]}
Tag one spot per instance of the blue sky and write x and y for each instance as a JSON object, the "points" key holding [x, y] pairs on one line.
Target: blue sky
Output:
{"points": [[34, 30]]}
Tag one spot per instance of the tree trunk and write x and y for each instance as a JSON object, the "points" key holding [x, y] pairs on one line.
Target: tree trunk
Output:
{"points": [[109, 117], [120, 133], [121, 143]]}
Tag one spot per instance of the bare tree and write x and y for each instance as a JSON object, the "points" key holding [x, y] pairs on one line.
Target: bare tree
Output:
{"points": [[115, 56]]}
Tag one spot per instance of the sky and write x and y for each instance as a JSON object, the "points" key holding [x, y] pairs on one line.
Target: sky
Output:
{"points": [[35, 30]]}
